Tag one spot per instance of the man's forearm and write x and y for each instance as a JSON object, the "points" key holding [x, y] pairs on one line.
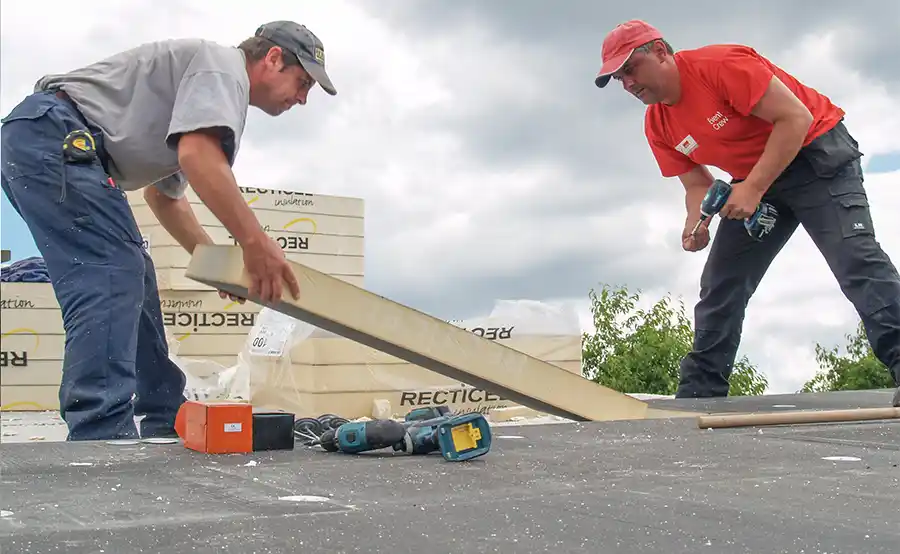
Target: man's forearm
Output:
{"points": [[696, 182], [177, 217], [784, 143], [693, 197], [211, 177]]}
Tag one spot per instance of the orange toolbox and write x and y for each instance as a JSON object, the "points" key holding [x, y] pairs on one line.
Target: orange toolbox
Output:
{"points": [[232, 428]]}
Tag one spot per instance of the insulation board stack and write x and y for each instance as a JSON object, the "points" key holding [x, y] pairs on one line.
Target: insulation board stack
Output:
{"points": [[34, 338], [331, 374], [33, 342], [321, 231], [205, 332]]}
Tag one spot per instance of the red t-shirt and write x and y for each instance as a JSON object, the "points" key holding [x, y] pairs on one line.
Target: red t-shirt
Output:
{"points": [[711, 124]]}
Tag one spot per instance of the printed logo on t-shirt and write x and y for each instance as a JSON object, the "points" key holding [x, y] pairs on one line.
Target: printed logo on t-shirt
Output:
{"points": [[717, 121], [687, 145]]}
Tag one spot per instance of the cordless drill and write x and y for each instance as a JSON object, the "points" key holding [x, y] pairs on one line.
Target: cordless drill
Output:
{"points": [[758, 225], [457, 437]]}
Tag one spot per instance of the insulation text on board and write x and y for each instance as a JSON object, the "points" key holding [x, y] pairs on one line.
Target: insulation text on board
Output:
{"points": [[287, 241], [253, 190], [492, 333], [209, 319], [16, 304], [447, 396]]}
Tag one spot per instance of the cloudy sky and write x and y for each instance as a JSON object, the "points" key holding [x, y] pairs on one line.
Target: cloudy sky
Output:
{"points": [[476, 136]]}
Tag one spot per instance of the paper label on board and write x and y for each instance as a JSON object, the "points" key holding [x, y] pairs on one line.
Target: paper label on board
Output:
{"points": [[270, 340]]}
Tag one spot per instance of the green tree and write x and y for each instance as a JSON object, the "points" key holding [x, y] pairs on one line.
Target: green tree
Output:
{"points": [[859, 369], [639, 350]]}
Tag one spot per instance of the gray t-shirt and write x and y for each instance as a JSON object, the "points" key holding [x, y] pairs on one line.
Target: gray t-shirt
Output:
{"points": [[144, 98]]}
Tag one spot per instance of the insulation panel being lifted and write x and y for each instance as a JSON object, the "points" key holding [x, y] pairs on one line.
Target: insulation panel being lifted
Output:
{"points": [[390, 327]]}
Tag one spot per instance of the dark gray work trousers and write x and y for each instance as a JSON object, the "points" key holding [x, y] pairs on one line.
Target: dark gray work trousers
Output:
{"points": [[822, 189]]}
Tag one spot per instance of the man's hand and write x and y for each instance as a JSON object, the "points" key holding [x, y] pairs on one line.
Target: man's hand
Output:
{"points": [[699, 240], [269, 270], [742, 202]]}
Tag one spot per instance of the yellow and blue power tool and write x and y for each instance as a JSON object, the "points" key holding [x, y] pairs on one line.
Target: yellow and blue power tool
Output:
{"points": [[423, 431], [758, 225]]}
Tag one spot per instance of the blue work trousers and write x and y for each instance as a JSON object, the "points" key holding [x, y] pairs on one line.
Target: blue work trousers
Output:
{"points": [[116, 362]]}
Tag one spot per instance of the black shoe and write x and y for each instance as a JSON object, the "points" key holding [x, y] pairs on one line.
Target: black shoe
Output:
{"points": [[897, 398]]}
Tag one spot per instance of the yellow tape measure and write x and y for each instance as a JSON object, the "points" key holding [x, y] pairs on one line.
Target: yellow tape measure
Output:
{"points": [[79, 146]]}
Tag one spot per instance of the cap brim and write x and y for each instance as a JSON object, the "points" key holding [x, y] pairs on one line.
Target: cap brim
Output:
{"points": [[318, 73], [611, 66]]}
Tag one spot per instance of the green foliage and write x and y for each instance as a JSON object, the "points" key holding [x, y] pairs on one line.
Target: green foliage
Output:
{"points": [[859, 369], [639, 350]]}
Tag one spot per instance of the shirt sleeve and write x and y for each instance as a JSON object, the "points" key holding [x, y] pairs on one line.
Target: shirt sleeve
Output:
{"points": [[671, 162], [741, 78], [210, 95], [173, 186]]}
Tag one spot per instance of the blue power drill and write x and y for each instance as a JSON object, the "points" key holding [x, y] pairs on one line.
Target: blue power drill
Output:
{"points": [[758, 225], [457, 437]]}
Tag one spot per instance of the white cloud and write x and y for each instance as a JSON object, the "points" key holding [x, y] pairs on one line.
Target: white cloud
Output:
{"points": [[871, 107]]}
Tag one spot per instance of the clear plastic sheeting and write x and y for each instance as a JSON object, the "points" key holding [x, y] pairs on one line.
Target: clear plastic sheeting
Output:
{"points": [[290, 365]]}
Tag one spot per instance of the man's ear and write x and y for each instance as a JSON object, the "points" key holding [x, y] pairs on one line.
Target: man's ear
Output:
{"points": [[275, 57], [659, 50]]}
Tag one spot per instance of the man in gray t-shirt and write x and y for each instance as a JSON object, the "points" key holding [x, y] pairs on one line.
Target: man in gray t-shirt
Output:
{"points": [[155, 117]]}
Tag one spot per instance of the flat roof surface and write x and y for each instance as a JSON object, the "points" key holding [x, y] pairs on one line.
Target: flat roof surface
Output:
{"points": [[653, 486]]}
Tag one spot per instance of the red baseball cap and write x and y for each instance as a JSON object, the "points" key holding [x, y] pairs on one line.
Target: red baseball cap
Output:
{"points": [[620, 43]]}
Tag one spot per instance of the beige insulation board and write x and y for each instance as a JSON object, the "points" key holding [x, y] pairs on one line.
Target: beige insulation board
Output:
{"points": [[337, 350], [353, 405], [336, 375], [273, 221], [32, 342], [32, 309], [426, 341], [155, 236], [323, 231], [280, 200], [355, 391], [174, 279], [29, 398], [327, 352], [332, 264], [33, 337]]}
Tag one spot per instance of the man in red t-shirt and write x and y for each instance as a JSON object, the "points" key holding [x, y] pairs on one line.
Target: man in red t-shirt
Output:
{"points": [[781, 142]]}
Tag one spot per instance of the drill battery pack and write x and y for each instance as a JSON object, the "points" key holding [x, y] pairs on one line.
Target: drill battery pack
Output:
{"points": [[464, 437]]}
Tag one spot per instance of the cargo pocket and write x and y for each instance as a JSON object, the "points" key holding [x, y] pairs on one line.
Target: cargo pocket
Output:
{"points": [[853, 215], [830, 154], [26, 141]]}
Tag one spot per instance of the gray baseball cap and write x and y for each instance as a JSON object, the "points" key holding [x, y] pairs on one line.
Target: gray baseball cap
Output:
{"points": [[300, 41]]}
